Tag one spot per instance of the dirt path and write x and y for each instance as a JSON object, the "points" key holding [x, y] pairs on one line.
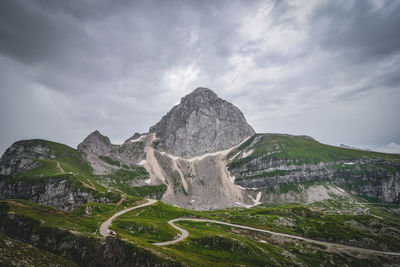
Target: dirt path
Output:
{"points": [[91, 186], [185, 234], [105, 225], [85, 184], [90, 182], [59, 167], [123, 198]]}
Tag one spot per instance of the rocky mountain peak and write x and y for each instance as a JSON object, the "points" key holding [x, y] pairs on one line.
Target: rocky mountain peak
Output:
{"points": [[200, 95], [95, 143], [201, 123]]}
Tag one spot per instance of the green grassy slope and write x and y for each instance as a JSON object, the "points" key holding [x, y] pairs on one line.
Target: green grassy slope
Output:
{"points": [[301, 149], [71, 163], [71, 160], [279, 161], [74, 235], [65, 162], [211, 244], [216, 245], [15, 253], [122, 180], [86, 219], [62, 162]]}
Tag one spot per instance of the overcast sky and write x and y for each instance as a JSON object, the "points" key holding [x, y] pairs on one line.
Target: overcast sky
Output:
{"points": [[328, 69]]}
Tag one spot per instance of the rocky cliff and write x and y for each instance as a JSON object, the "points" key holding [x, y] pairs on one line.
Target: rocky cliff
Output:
{"points": [[271, 161], [105, 157], [200, 184], [47, 173], [96, 143], [22, 157], [200, 124], [58, 193]]}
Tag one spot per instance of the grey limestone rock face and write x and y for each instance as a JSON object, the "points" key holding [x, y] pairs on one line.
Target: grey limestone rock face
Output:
{"points": [[95, 143], [56, 193], [375, 178], [201, 123], [202, 184], [378, 183], [19, 157], [134, 137]]}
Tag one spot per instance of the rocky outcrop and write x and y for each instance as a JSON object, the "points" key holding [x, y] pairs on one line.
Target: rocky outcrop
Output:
{"points": [[95, 143], [202, 184], [20, 157], [105, 157], [200, 124], [270, 163], [31, 170], [378, 179], [118, 253], [53, 192], [300, 193]]}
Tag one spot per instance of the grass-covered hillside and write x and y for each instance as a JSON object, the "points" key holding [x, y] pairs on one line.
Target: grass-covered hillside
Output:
{"points": [[74, 234], [278, 162], [299, 150], [125, 180], [35, 163], [208, 243], [31, 167], [15, 253], [48, 159]]}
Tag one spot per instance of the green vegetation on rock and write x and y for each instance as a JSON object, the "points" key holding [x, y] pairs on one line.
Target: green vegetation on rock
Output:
{"points": [[15, 253], [301, 149], [110, 160]]}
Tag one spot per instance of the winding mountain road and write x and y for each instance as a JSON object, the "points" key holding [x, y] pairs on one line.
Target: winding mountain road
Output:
{"points": [[105, 225], [184, 233]]}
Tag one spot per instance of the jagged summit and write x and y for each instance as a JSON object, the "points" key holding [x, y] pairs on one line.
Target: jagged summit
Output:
{"points": [[201, 123], [202, 93], [95, 143]]}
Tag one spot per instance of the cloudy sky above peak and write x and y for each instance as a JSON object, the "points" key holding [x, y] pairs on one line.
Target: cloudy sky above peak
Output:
{"points": [[328, 69]]}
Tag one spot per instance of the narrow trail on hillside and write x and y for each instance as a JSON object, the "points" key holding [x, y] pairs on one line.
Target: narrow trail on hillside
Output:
{"points": [[185, 234], [91, 186], [105, 225], [85, 184], [59, 167]]}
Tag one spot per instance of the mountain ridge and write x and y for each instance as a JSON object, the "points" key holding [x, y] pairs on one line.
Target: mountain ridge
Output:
{"points": [[244, 172], [56, 197]]}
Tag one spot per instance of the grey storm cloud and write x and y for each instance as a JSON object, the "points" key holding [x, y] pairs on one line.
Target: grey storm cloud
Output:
{"points": [[329, 69], [359, 30]]}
